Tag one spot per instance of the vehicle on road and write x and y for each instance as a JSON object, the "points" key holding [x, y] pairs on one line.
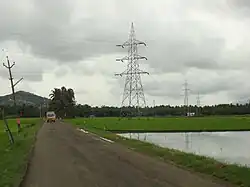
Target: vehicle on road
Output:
{"points": [[50, 116]]}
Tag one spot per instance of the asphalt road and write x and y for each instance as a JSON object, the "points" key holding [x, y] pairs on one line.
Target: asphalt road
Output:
{"points": [[66, 157]]}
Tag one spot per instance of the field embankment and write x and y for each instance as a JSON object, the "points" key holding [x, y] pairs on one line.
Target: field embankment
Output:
{"points": [[233, 173], [14, 157]]}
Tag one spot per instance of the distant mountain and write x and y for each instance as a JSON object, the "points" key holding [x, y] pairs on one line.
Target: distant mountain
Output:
{"points": [[23, 97]]}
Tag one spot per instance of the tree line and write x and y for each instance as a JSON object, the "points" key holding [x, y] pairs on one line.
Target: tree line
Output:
{"points": [[165, 110], [62, 101]]}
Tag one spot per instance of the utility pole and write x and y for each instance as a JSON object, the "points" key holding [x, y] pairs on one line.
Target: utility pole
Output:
{"points": [[7, 129], [186, 92], [198, 104], [9, 67], [133, 95], [154, 108], [46, 103], [41, 110]]}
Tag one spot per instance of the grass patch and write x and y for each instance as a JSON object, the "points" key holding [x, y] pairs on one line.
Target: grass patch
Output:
{"points": [[13, 126], [14, 158], [232, 173], [167, 124]]}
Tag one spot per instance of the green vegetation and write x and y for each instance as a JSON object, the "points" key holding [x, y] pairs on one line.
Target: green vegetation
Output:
{"points": [[166, 124], [14, 157], [165, 110], [234, 174], [13, 126], [62, 102], [23, 97]]}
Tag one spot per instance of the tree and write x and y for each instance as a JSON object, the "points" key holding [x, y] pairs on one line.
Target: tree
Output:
{"points": [[62, 102]]}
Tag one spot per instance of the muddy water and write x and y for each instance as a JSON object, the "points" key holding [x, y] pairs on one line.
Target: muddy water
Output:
{"points": [[228, 147]]}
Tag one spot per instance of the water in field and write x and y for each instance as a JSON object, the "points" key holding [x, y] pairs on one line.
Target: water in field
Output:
{"points": [[229, 147]]}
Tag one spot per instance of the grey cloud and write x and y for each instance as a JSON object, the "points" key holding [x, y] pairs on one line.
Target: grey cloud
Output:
{"points": [[172, 46], [50, 34], [240, 8], [237, 96], [163, 89], [31, 69], [240, 87], [117, 86], [181, 54], [33, 76], [82, 69], [81, 92], [4, 73], [56, 12], [61, 71], [39, 27], [64, 45], [240, 3], [17, 73], [25, 86], [211, 87], [207, 84]]}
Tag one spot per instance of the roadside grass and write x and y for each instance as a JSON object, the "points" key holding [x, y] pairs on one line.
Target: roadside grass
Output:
{"points": [[238, 175], [167, 124], [14, 158], [12, 123]]}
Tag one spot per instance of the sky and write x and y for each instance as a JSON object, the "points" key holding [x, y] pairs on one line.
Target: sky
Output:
{"points": [[72, 43]]}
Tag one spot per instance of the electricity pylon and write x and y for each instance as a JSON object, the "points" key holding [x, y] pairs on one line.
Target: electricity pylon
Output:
{"points": [[133, 96], [186, 92]]}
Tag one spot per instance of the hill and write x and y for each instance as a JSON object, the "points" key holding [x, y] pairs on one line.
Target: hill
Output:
{"points": [[23, 97]]}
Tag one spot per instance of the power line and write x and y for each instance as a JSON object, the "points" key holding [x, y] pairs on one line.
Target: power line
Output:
{"points": [[133, 89]]}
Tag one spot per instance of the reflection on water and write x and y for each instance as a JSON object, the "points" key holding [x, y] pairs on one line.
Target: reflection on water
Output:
{"points": [[231, 147]]}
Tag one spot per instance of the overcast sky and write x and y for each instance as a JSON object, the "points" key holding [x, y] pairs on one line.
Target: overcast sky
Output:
{"points": [[72, 43]]}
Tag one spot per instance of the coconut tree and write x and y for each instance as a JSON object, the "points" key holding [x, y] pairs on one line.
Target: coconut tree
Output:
{"points": [[62, 101]]}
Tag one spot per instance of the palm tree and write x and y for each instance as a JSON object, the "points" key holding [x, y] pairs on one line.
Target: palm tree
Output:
{"points": [[62, 101]]}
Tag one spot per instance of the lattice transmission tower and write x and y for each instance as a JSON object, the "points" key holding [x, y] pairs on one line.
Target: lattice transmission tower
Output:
{"points": [[133, 95], [186, 93], [198, 112]]}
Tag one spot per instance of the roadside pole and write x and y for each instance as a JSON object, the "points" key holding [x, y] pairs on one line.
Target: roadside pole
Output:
{"points": [[7, 129], [8, 66], [41, 111]]}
